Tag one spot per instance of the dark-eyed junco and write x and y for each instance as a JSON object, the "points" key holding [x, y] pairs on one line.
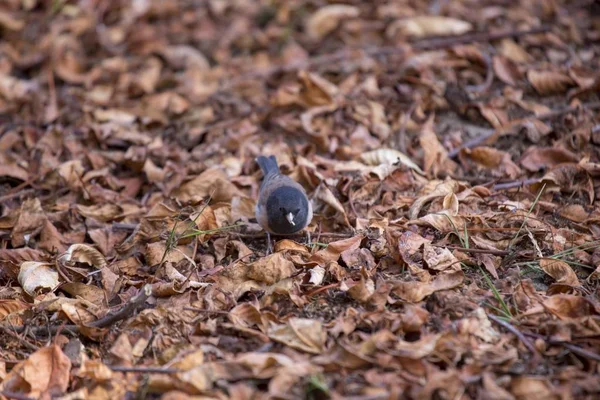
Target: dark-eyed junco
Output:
{"points": [[282, 207]]}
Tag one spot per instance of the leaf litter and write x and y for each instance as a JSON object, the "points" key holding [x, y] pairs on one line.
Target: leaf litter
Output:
{"points": [[450, 153]]}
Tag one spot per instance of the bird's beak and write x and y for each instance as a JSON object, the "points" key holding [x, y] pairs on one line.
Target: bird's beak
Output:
{"points": [[290, 218]]}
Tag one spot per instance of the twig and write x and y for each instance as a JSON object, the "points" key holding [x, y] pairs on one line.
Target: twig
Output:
{"points": [[203, 310], [515, 184], [13, 334], [424, 44], [10, 196], [120, 226], [145, 370], [476, 141], [38, 330], [16, 396], [482, 251], [518, 334], [569, 346], [322, 289], [124, 312]]}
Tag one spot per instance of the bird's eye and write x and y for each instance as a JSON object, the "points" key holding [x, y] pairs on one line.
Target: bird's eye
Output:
{"points": [[282, 209]]}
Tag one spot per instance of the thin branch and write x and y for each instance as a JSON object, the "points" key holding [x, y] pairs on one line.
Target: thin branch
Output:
{"points": [[482, 251], [515, 184], [569, 346], [424, 44], [204, 310], [478, 140], [25, 192], [145, 370], [124, 312], [6, 329], [37, 330], [15, 396], [518, 334]]}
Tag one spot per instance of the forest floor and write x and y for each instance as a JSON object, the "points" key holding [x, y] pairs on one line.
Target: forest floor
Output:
{"points": [[451, 151]]}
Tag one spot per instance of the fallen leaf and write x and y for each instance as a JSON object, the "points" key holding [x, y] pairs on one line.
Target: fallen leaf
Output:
{"points": [[560, 271], [34, 276], [300, 333], [327, 18], [44, 374]]}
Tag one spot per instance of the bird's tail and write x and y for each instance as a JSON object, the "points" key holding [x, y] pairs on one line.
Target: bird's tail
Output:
{"points": [[268, 165]]}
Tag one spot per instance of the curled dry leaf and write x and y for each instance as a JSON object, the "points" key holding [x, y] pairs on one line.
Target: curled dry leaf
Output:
{"points": [[428, 25], [439, 259], [389, 157], [416, 291], [433, 190], [300, 333], [35, 275], [325, 195], [316, 90], [334, 249], [549, 82], [493, 159], [84, 253], [327, 18], [213, 182], [514, 52], [435, 155], [271, 269], [12, 307], [506, 70], [560, 271], [566, 306], [537, 158], [43, 374]]}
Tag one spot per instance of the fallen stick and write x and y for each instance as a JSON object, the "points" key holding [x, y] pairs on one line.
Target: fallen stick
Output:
{"points": [[423, 44], [476, 141], [124, 312], [518, 334]]}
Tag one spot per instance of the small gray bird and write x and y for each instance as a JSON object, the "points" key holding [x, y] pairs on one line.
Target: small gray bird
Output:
{"points": [[282, 207]]}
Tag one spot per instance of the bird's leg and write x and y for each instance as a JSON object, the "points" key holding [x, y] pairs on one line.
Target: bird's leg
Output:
{"points": [[269, 247], [308, 238]]}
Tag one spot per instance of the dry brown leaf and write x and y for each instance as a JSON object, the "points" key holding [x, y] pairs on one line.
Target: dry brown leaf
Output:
{"points": [[439, 259], [34, 276], [566, 306], [43, 374], [560, 271], [316, 90], [334, 249], [388, 157], [549, 82], [84, 253], [514, 52], [537, 158], [327, 18], [435, 155], [90, 293], [416, 291], [271, 269], [213, 182], [529, 387], [300, 333], [30, 220], [325, 195], [11, 308]]}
